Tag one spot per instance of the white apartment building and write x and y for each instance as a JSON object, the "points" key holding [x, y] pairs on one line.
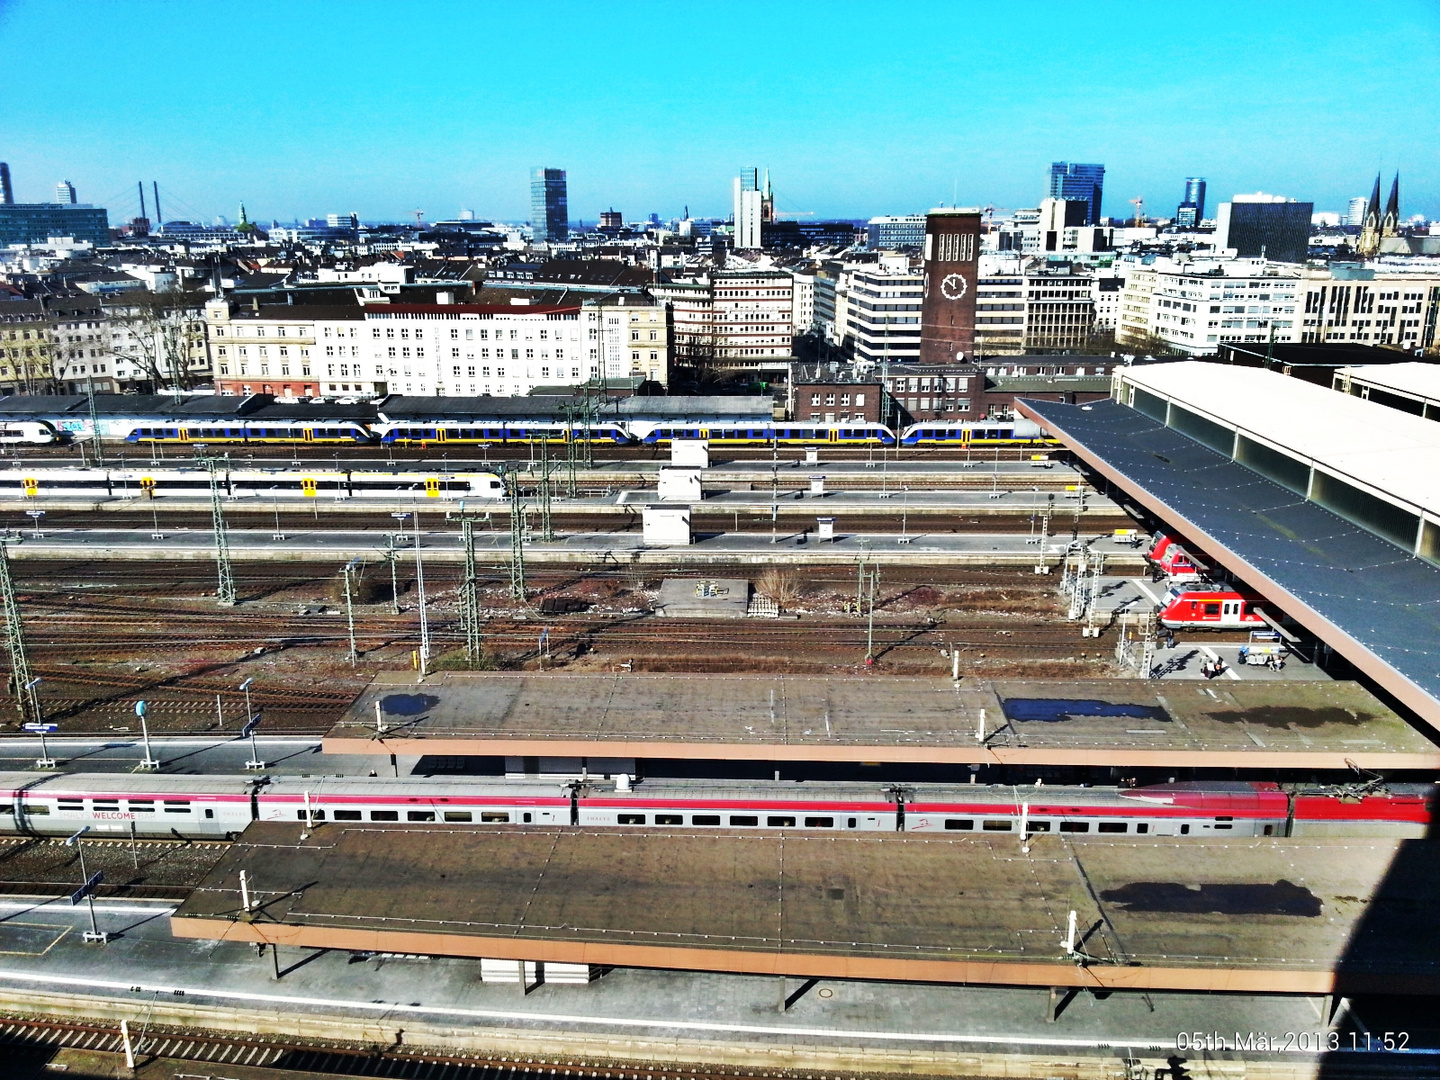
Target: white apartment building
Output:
{"points": [[733, 319], [882, 313], [635, 338], [1195, 306], [804, 312], [442, 350]]}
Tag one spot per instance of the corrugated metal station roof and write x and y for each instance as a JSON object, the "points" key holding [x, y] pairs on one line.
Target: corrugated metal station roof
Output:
{"points": [[1386, 450], [1373, 603]]}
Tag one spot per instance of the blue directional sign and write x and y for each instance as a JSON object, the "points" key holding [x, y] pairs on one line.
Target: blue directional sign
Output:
{"points": [[250, 726], [88, 888], [47, 728], [139, 708]]}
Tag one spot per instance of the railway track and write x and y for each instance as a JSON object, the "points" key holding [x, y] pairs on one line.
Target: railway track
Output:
{"points": [[152, 1042]]}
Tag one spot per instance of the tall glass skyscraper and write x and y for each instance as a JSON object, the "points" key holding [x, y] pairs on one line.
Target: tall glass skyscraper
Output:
{"points": [[549, 209], [1083, 183]]}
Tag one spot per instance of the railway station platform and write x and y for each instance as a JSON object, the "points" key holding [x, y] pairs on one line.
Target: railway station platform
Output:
{"points": [[1273, 916], [1320, 725], [795, 545]]}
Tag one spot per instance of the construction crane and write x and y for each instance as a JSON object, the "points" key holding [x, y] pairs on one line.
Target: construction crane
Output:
{"points": [[419, 217], [1139, 203]]}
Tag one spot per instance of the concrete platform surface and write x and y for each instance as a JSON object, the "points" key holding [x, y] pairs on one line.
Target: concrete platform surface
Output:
{"points": [[1320, 725], [660, 1016], [1271, 916]]}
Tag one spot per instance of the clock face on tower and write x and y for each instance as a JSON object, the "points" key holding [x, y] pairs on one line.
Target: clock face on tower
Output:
{"points": [[953, 286]]}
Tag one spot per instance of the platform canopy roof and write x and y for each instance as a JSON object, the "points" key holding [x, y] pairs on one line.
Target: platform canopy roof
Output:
{"points": [[1415, 379], [1371, 601], [1390, 452]]}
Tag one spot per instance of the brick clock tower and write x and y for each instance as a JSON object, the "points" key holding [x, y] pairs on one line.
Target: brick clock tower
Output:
{"points": [[952, 254]]}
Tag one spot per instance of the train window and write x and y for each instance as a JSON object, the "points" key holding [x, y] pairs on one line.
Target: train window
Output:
{"points": [[458, 815], [1212, 609], [209, 813], [776, 821], [744, 819], [996, 825], [70, 804], [142, 806], [7, 808], [177, 806], [669, 819], [850, 823], [314, 815], [1142, 827], [419, 815], [347, 815], [107, 804], [630, 819], [705, 819], [1184, 830], [1223, 825], [494, 817], [959, 824], [1269, 829], [819, 822], [1224, 817], [527, 818], [1038, 826], [384, 815], [1112, 826], [36, 809], [1074, 826]]}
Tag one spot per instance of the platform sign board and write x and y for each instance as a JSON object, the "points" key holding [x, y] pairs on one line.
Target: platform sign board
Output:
{"points": [[88, 888], [48, 729], [250, 726]]}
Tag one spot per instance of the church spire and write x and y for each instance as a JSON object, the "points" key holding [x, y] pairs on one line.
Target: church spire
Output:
{"points": [[1390, 223], [1369, 245]]}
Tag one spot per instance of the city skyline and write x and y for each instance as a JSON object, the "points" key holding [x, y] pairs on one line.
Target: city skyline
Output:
{"points": [[968, 119]]}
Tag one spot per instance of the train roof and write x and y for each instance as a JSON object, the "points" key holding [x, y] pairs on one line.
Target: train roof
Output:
{"points": [[124, 784], [404, 409]]}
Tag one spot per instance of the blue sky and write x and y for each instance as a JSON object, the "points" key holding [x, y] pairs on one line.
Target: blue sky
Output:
{"points": [[301, 108]]}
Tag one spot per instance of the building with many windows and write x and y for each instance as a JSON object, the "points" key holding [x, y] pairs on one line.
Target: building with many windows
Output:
{"points": [[1195, 306], [549, 206], [902, 233], [1261, 226], [1072, 180], [1370, 306], [38, 223], [1059, 309], [735, 320], [882, 313]]}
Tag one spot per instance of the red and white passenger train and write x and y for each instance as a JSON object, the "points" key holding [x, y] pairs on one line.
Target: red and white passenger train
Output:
{"points": [[1172, 560], [1193, 602], [213, 807]]}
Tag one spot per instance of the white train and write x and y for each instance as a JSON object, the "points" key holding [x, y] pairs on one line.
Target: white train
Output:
{"points": [[114, 804]]}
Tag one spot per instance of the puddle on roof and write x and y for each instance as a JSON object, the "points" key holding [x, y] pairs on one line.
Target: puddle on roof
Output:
{"points": [[408, 704], [1058, 710]]}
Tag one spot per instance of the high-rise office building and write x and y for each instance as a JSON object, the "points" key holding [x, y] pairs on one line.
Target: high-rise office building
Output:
{"points": [[1355, 214], [65, 193], [947, 314], [36, 223], [1261, 226], [1085, 183], [1191, 210], [549, 209], [749, 209], [7, 195]]}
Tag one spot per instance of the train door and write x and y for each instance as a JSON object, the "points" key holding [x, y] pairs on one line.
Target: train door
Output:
{"points": [[965, 438], [147, 487], [308, 486], [440, 434], [704, 433], [432, 487], [32, 487], [1230, 613], [308, 434], [184, 434], [834, 434]]}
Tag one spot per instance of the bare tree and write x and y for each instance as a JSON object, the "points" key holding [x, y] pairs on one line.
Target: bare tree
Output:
{"points": [[162, 331]]}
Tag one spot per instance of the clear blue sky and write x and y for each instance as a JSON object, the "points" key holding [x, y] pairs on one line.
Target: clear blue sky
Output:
{"points": [[299, 108]]}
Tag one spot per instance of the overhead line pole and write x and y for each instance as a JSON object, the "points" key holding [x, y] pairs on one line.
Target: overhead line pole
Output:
{"points": [[470, 595], [225, 590], [517, 540], [22, 685]]}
